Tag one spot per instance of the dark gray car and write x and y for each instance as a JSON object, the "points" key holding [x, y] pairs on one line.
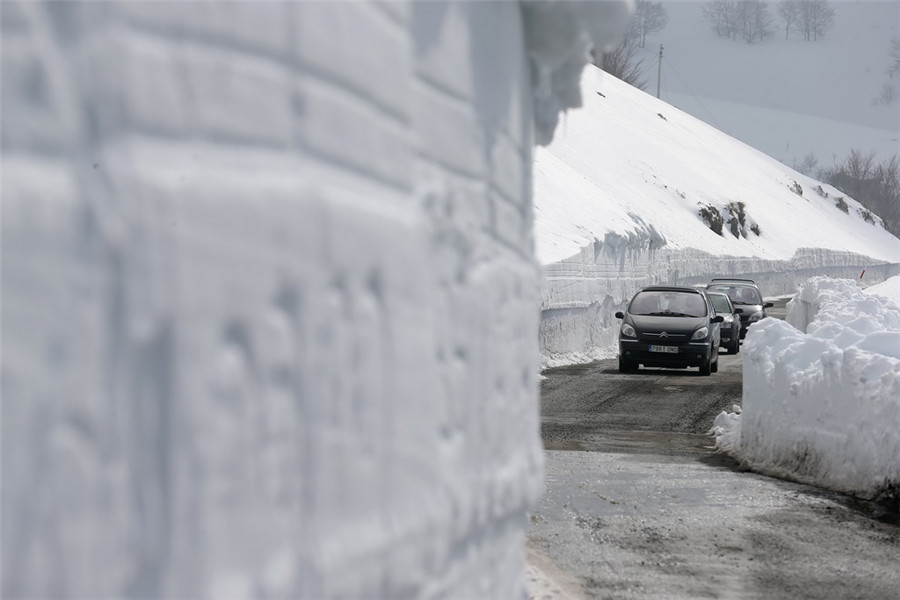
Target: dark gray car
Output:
{"points": [[746, 298], [669, 327], [731, 326]]}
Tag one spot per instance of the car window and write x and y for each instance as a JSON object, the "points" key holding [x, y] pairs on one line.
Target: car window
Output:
{"points": [[739, 294], [645, 303], [668, 304], [720, 303]]}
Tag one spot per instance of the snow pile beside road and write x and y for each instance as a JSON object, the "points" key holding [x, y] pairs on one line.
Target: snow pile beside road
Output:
{"points": [[822, 406], [837, 306]]}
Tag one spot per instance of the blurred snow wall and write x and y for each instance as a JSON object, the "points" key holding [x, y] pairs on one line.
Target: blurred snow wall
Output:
{"points": [[269, 294], [581, 295]]}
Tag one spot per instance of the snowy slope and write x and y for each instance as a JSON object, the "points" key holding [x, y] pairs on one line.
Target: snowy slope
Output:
{"points": [[787, 135], [629, 163]]}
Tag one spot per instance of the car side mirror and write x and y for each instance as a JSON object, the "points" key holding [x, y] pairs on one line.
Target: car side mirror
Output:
{"points": [[738, 311], [768, 305], [620, 315], [718, 319]]}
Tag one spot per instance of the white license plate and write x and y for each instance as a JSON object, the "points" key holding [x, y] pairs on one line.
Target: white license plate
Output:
{"points": [[668, 349]]}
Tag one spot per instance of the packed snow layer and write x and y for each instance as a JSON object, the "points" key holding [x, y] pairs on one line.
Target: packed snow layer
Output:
{"points": [[821, 392], [269, 296]]}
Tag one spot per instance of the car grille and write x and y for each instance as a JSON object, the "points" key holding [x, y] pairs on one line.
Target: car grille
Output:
{"points": [[664, 337]]}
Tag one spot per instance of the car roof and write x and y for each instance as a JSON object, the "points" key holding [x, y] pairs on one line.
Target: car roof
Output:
{"points": [[723, 294], [718, 281], [671, 288]]}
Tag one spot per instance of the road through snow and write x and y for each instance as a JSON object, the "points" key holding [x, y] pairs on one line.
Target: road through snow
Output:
{"points": [[637, 504]]}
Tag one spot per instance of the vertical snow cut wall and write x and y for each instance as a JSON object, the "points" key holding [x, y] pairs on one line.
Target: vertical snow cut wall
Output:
{"points": [[269, 296]]}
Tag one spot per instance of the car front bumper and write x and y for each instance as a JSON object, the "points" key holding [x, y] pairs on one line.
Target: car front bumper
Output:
{"points": [[692, 354], [728, 335]]}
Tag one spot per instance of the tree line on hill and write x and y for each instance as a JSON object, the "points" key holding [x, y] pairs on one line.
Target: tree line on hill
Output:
{"points": [[874, 185], [751, 20], [748, 20]]}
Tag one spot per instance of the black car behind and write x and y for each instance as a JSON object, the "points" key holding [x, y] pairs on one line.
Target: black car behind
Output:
{"points": [[746, 297], [731, 326]]}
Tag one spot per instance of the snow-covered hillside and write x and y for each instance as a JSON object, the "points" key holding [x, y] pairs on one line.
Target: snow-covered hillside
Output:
{"points": [[618, 201], [627, 162]]}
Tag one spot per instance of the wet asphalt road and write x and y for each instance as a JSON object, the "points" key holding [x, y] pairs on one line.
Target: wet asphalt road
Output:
{"points": [[637, 504]]}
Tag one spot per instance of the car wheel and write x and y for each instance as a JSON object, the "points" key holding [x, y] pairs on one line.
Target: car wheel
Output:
{"points": [[714, 367], [705, 368], [735, 346], [627, 366]]}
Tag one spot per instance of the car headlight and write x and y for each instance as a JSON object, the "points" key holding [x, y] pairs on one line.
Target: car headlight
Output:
{"points": [[628, 331], [756, 316], [700, 334]]}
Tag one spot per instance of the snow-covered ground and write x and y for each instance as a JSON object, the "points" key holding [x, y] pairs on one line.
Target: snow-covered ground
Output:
{"points": [[821, 393]]}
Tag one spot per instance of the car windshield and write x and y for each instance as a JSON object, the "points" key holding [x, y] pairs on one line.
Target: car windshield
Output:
{"points": [[667, 304], [720, 303], [739, 294]]}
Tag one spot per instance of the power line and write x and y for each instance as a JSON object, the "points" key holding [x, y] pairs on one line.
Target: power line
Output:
{"points": [[691, 93]]}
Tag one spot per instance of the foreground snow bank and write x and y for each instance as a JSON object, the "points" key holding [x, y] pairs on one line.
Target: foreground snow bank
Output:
{"points": [[823, 405], [269, 294]]}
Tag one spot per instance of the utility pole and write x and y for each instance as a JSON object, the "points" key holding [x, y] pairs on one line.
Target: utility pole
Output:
{"points": [[659, 71]]}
